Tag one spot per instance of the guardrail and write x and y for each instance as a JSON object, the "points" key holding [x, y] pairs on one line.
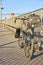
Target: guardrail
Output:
{"points": [[10, 27], [14, 29]]}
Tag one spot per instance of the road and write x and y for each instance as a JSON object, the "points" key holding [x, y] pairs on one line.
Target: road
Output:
{"points": [[12, 54]]}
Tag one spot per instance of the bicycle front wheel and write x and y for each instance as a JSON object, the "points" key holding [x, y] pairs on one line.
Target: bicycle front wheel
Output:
{"points": [[29, 49]]}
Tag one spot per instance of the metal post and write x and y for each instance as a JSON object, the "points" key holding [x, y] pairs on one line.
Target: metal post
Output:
{"points": [[1, 10]]}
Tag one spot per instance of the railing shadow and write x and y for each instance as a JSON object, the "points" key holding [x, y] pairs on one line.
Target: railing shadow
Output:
{"points": [[12, 42]]}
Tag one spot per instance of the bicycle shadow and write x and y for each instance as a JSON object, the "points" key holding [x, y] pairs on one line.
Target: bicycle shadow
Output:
{"points": [[37, 55]]}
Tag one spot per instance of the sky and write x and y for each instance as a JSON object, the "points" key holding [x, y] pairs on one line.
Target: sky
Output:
{"points": [[21, 6]]}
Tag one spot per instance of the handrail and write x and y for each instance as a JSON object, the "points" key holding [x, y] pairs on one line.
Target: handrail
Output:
{"points": [[20, 29], [10, 26]]}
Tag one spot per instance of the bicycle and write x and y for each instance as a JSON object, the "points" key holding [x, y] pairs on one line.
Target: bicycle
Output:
{"points": [[31, 44]]}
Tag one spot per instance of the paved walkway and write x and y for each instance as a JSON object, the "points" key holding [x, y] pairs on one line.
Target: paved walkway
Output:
{"points": [[11, 54]]}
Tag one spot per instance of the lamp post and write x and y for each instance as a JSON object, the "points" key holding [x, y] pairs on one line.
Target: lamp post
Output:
{"points": [[1, 7], [1, 13]]}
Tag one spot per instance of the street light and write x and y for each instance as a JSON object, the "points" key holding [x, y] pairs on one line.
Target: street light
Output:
{"points": [[1, 8]]}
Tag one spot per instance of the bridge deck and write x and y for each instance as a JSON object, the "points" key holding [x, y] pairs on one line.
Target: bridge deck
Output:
{"points": [[11, 54]]}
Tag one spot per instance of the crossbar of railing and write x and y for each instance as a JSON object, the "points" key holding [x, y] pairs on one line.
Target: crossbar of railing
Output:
{"points": [[21, 30]]}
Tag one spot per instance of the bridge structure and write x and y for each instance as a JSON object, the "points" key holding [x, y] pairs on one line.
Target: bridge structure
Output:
{"points": [[11, 53]]}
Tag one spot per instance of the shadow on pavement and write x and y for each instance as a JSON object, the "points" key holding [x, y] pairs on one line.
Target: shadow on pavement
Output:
{"points": [[36, 55], [8, 43]]}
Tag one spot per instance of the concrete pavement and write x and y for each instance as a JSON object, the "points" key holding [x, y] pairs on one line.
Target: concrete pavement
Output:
{"points": [[12, 54]]}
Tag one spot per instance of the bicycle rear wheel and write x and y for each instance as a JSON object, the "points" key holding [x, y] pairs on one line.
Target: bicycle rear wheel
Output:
{"points": [[29, 49]]}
